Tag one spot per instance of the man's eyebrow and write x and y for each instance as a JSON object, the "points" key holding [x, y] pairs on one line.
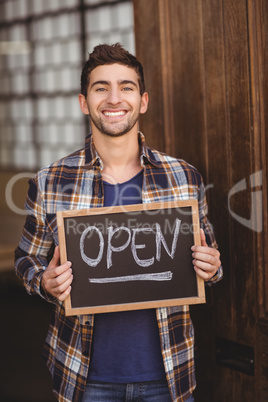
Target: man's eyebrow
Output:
{"points": [[123, 82], [100, 82]]}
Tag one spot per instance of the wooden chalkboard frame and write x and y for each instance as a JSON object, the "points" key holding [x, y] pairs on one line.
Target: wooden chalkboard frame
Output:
{"points": [[193, 299]]}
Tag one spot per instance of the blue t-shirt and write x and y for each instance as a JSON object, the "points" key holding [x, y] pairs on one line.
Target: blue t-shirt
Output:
{"points": [[126, 345]]}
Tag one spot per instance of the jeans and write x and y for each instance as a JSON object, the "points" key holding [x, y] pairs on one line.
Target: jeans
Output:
{"points": [[151, 391]]}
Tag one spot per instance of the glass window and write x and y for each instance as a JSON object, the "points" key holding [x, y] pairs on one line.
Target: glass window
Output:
{"points": [[41, 56]]}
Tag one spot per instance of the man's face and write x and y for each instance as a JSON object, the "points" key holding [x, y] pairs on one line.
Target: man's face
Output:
{"points": [[113, 100]]}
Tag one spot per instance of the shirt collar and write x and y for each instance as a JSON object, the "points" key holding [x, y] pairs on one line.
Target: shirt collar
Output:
{"points": [[146, 154], [92, 158]]}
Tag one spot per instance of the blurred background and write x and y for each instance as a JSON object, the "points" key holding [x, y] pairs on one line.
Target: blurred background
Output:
{"points": [[43, 46], [205, 64]]}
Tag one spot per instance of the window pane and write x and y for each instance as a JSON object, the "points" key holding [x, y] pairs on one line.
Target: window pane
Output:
{"points": [[40, 117]]}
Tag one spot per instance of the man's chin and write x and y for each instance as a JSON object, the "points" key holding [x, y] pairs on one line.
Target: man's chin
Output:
{"points": [[116, 130], [116, 134]]}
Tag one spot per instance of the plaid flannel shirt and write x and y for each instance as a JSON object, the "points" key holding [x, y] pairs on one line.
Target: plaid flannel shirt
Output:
{"points": [[75, 182]]}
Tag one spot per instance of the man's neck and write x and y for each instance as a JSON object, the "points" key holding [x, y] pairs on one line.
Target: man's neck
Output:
{"points": [[120, 156]]}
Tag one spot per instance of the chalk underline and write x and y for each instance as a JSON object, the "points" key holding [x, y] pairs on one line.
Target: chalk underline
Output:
{"points": [[159, 276]]}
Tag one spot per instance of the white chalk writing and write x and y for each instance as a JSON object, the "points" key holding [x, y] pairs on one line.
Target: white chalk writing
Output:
{"points": [[131, 238]]}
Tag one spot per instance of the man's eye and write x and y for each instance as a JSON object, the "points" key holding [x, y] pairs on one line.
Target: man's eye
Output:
{"points": [[127, 89], [100, 89]]}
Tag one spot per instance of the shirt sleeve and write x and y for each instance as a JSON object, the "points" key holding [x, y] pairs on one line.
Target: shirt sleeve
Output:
{"points": [[208, 230], [36, 246]]}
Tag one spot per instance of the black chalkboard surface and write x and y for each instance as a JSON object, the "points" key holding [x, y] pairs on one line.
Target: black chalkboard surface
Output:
{"points": [[131, 257]]}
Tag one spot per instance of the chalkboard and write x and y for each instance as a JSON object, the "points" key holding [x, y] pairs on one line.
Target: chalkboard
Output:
{"points": [[131, 257]]}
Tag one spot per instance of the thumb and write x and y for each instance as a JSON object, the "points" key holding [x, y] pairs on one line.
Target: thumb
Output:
{"points": [[56, 258], [203, 238]]}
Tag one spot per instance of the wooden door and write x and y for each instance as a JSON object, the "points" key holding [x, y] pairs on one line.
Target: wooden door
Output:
{"points": [[206, 73]]}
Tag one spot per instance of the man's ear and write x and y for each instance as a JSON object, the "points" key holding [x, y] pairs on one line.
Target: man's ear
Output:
{"points": [[144, 102], [83, 104]]}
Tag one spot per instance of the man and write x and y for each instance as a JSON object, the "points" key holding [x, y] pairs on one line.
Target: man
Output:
{"points": [[148, 355]]}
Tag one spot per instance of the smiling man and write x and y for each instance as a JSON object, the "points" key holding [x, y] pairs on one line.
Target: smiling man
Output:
{"points": [[145, 355], [114, 105]]}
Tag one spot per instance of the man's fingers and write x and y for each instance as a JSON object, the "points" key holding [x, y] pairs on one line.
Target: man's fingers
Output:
{"points": [[203, 241], [205, 266], [57, 278], [206, 260], [62, 281], [53, 272], [61, 269], [203, 238], [65, 294], [203, 274], [58, 286], [55, 261], [210, 258]]}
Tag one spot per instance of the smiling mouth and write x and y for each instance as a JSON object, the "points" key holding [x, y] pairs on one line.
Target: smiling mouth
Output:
{"points": [[115, 114]]}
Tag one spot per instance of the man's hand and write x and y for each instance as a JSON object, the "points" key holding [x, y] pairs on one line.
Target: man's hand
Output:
{"points": [[56, 279], [206, 260]]}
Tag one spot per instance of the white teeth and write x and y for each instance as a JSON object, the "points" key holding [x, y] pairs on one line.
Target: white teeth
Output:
{"points": [[114, 114]]}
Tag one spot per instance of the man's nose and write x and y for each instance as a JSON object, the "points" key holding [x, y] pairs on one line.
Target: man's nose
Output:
{"points": [[114, 96]]}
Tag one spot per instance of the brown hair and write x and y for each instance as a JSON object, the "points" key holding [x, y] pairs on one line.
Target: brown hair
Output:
{"points": [[110, 54]]}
